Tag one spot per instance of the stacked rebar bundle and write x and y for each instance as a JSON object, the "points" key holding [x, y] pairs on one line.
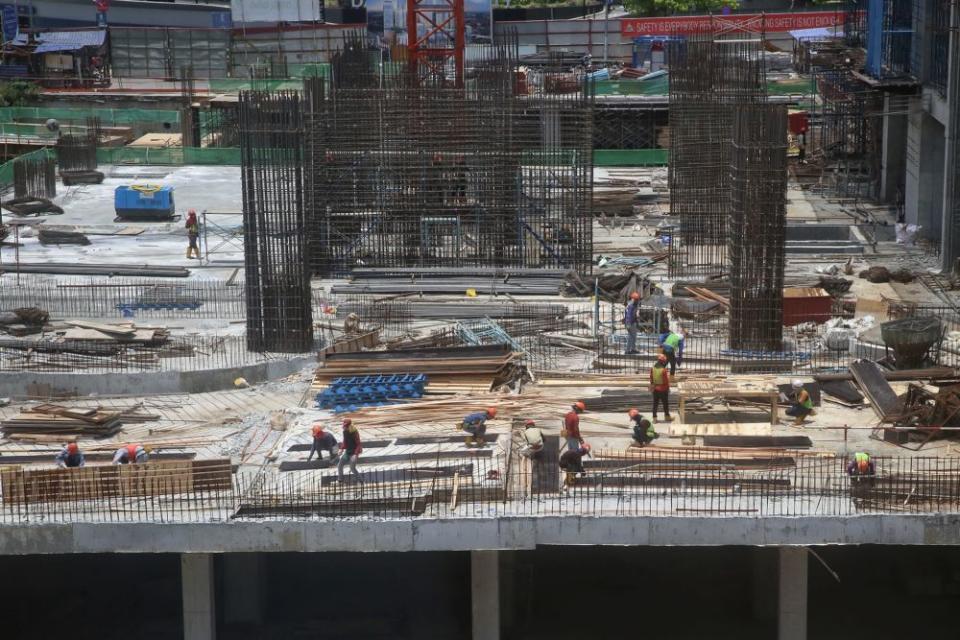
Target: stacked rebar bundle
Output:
{"points": [[709, 80], [757, 226], [279, 317], [34, 177]]}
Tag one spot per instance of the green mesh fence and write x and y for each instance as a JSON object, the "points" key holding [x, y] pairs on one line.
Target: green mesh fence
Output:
{"points": [[630, 157], [108, 117], [172, 156]]}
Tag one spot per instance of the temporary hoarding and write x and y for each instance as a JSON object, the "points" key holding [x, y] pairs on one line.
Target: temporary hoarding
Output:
{"points": [[245, 11], [752, 22]]}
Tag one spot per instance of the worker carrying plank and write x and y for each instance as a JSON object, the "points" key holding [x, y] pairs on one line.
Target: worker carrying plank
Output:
{"points": [[571, 462], [350, 449], [533, 438], [660, 387], [802, 403], [70, 457], [672, 343], [323, 440], [131, 454], [643, 431], [193, 233], [476, 425], [631, 320], [571, 426]]}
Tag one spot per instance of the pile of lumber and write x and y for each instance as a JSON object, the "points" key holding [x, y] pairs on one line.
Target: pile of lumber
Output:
{"points": [[451, 411], [126, 332], [51, 419], [701, 293]]}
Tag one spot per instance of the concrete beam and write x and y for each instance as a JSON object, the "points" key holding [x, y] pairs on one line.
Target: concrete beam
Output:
{"points": [[792, 618], [485, 594], [199, 612]]}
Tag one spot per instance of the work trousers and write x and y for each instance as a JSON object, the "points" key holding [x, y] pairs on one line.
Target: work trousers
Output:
{"points": [[661, 397], [631, 337], [671, 358], [344, 457], [798, 411]]}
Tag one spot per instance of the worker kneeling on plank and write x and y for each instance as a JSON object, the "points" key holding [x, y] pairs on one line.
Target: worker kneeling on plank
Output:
{"points": [[660, 387], [643, 431], [476, 425], [534, 440], [861, 466], [131, 454], [571, 462], [70, 457], [350, 449], [323, 440], [802, 403], [571, 426]]}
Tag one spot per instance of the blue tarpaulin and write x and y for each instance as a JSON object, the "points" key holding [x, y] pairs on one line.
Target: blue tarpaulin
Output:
{"points": [[69, 40]]}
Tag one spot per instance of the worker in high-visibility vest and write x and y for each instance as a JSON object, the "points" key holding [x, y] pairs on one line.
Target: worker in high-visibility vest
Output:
{"points": [[643, 431], [802, 403], [861, 465], [672, 343], [660, 386]]}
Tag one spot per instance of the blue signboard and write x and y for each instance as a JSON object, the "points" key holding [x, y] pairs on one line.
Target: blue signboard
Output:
{"points": [[11, 24], [221, 20]]}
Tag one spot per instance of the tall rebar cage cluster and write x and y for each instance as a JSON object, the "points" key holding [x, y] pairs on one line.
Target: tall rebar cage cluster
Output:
{"points": [[710, 78], [35, 177], [758, 211], [279, 315], [403, 172]]}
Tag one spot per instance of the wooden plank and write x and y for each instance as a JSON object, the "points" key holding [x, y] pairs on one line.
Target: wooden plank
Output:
{"points": [[466, 454], [882, 397], [785, 442]]}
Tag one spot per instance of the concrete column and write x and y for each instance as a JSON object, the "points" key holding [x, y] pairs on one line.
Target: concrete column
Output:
{"points": [[792, 618], [199, 613], [242, 588], [485, 594], [894, 155]]}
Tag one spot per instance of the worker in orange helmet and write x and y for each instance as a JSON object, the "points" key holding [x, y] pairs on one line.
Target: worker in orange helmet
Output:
{"points": [[631, 320], [571, 426], [131, 454], [861, 465], [476, 425], [643, 431], [70, 457], [323, 440], [660, 386], [193, 233]]}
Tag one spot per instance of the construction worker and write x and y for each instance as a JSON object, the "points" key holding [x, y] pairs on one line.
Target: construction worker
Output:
{"points": [[571, 462], [571, 425], [130, 454], [534, 440], [861, 466], [802, 403], [193, 233], [323, 440], [476, 425], [660, 386], [671, 344], [70, 457], [631, 320], [350, 449], [643, 431]]}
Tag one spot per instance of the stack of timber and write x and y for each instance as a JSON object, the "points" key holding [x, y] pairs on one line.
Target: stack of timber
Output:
{"points": [[446, 414], [479, 366], [127, 333], [50, 419]]}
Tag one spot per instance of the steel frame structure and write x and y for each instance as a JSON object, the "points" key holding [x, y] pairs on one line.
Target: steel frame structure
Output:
{"points": [[436, 36]]}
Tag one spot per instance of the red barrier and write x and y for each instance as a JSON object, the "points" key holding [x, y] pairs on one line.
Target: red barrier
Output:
{"points": [[742, 22]]}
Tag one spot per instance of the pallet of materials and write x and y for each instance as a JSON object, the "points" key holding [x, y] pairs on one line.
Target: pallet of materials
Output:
{"points": [[49, 419]]}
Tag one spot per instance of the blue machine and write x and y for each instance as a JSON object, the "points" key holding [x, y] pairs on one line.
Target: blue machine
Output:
{"points": [[144, 202]]}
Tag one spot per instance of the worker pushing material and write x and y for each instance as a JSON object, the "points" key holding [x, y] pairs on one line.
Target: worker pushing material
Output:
{"points": [[571, 426], [476, 425], [131, 454], [350, 449], [70, 457], [660, 387], [323, 440], [643, 431]]}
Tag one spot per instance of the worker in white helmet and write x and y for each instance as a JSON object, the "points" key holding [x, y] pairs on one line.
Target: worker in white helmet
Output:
{"points": [[802, 403]]}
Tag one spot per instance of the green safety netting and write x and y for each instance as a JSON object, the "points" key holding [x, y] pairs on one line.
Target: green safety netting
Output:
{"points": [[108, 117], [171, 156], [661, 87], [6, 169], [629, 157]]}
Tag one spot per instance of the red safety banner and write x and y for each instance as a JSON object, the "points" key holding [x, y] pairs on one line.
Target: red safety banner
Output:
{"points": [[751, 22]]}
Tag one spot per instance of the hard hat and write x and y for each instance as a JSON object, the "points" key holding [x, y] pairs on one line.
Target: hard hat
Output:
{"points": [[863, 465], [634, 296], [585, 447], [661, 358], [347, 422], [797, 384], [579, 404], [633, 413], [73, 448], [529, 423], [191, 212], [492, 412], [317, 429]]}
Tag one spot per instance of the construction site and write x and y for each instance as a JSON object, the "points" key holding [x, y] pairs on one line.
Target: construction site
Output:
{"points": [[554, 336]]}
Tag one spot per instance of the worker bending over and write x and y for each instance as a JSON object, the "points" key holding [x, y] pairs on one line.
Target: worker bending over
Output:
{"points": [[193, 233], [323, 440], [660, 387], [643, 431], [571, 426], [571, 462], [534, 440], [131, 454], [861, 466], [350, 449], [476, 425], [802, 403], [70, 457], [631, 320], [672, 345]]}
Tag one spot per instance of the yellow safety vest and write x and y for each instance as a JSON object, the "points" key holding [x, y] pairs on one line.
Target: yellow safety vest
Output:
{"points": [[656, 374]]}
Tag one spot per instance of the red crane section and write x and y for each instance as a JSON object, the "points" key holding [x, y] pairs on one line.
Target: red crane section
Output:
{"points": [[435, 35]]}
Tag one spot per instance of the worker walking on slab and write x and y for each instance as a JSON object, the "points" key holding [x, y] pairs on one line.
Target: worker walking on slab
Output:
{"points": [[802, 403], [323, 440], [861, 466], [571, 462], [571, 426], [671, 343], [131, 454], [534, 440], [70, 457], [193, 234], [476, 425], [643, 431], [660, 387], [631, 318], [350, 449]]}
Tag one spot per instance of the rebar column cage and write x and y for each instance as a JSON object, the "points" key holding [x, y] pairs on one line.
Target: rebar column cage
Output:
{"points": [[35, 177]]}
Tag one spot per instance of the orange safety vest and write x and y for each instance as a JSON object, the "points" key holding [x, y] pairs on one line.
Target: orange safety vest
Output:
{"points": [[132, 453]]}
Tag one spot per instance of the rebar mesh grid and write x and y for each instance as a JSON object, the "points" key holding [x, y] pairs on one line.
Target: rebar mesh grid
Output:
{"points": [[35, 177]]}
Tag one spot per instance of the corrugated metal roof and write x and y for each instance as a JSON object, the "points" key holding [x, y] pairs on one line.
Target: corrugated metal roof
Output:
{"points": [[69, 40]]}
